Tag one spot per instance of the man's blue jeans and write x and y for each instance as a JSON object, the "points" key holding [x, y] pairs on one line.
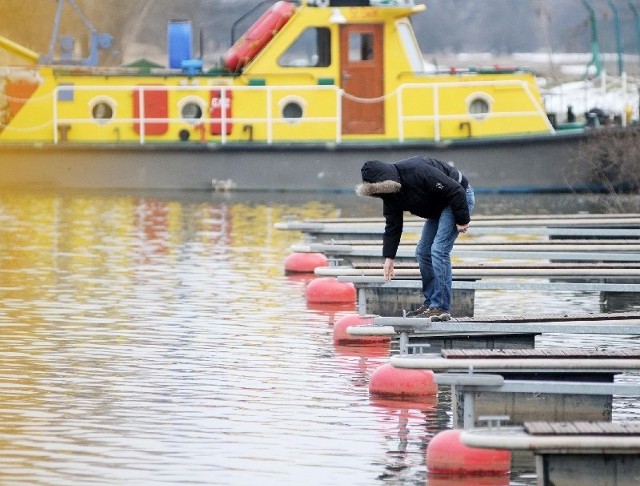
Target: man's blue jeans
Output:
{"points": [[434, 256]]}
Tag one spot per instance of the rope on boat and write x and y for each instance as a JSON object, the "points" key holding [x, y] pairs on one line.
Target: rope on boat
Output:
{"points": [[369, 100]]}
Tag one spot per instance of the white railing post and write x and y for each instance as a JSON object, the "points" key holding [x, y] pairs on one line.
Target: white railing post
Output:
{"points": [[400, 115], [339, 93], [55, 114], [625, 99], [436, 113], [269, 117], [141, 119], [223, 115]]}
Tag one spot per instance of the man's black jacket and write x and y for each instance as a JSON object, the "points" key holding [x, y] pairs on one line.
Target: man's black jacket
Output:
{"points": [[426, 187]]}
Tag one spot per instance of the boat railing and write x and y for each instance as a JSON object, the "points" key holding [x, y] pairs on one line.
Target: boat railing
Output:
{"points": [[224, 120], [537, 111], [434, 92]]}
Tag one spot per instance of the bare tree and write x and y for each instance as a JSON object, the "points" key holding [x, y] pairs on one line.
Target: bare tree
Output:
{"points": [[610, 160]]}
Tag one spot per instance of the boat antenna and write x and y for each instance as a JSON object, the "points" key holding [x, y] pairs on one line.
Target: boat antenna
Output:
{"points": [[244, 16]]}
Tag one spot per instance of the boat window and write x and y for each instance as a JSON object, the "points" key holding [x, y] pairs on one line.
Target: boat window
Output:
{"points": [[479, 106], [411, 47], [360, 46], [292, 108], [311, 49], [191, 111], [102, 109], [191, 108]]}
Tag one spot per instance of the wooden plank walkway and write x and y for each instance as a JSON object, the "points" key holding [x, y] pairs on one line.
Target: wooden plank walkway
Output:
{"points": [[501, 360], [464, 245], [481, 217], [469, 240], [570, 459], [621, 323], [582, 428], [411, 231], [515, 319], [623, 438], [376, 295], [561, 226], [365, 282], [599, 226], [600, 220], [506, 265], [563, 353], [374, 253], [521, 365], [371, 255], [480, 272]]}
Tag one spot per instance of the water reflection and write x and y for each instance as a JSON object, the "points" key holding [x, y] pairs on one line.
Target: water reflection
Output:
{"points": [[154, 339]]}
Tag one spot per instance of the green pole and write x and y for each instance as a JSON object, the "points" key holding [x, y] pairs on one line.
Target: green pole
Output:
{"points": [[616, 25], [636, 18], [595, 49]]}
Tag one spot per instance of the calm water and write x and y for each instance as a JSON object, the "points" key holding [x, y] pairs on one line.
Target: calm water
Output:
{"points": [[154, 339]]}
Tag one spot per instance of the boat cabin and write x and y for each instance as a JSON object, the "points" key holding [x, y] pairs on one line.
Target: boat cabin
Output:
{"points": [[327, 71]]}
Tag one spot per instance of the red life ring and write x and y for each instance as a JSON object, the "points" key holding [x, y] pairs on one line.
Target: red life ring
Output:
{"points": [[258, 35]]}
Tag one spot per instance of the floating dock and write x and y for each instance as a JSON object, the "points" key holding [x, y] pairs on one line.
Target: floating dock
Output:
{"points": [[491, 363], [529, 384], [476, 396], [561, 226], [574, 253], [571, 453]]}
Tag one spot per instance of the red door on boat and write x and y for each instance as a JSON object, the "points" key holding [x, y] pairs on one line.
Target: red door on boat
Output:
{"points": [[361, 59], [150, 104]]}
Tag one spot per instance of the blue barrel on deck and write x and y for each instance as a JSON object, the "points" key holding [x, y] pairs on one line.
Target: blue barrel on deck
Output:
{"points": [[180, 43]]}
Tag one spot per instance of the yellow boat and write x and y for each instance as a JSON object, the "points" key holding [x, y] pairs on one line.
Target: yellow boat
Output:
{"points": [[308, 93]]}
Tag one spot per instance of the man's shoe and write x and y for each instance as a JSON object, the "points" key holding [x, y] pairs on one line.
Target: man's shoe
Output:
{"points": [[435, 314], [417, 312]]}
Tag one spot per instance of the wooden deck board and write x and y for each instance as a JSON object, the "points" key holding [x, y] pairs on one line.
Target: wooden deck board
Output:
{"points": [[582, 428], [461, 241], [622, 271], [516, 319], [629, 353], [508, 265], [569, 217]]}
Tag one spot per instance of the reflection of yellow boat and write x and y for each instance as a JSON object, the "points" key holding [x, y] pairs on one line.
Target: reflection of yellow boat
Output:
{"points": [[340, 81]]}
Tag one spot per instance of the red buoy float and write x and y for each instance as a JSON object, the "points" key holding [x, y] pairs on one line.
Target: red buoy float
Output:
{"points": [[380, 350], [387, 381], [446, 454], [342, 337], [468, 480], [328, 290], [258, 35], [304, 262]]}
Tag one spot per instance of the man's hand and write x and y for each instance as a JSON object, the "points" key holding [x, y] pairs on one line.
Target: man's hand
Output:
{"points": [[388, 268], [462, 228]]}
